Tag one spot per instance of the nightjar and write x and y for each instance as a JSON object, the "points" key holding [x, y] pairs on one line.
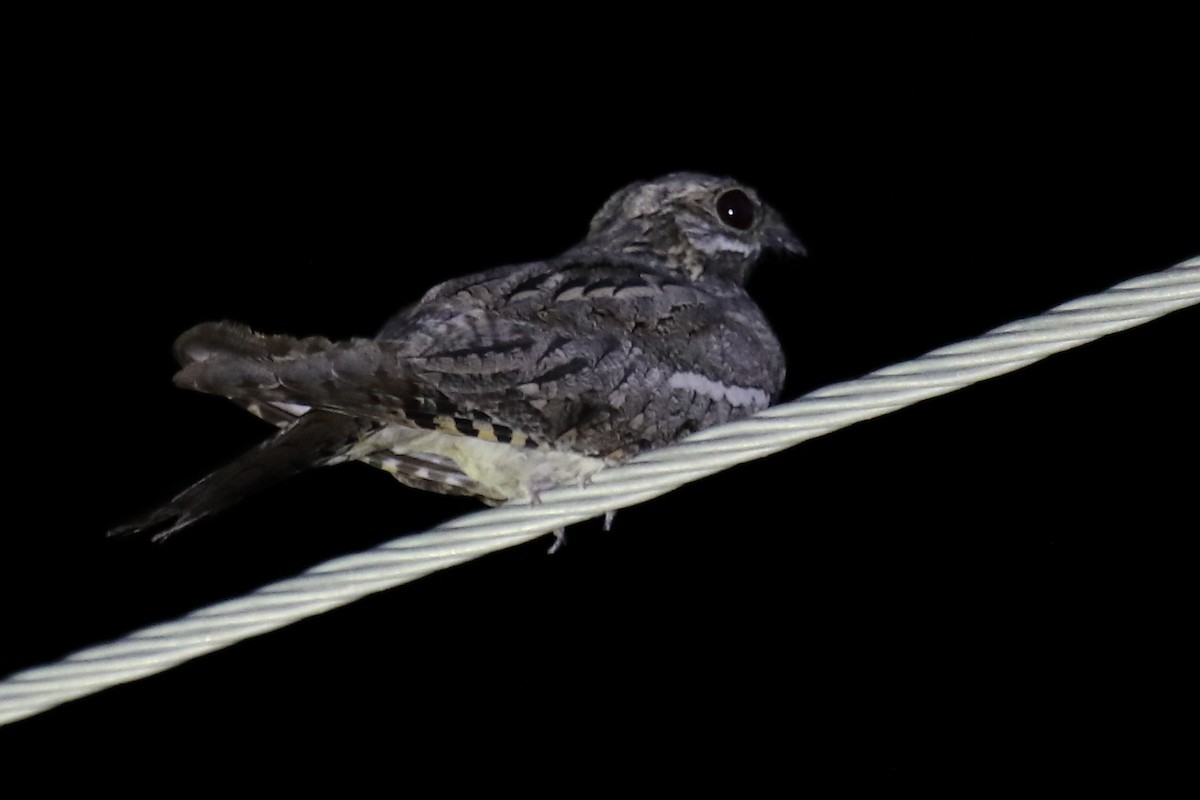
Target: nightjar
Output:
{"points": [[507, 382]]}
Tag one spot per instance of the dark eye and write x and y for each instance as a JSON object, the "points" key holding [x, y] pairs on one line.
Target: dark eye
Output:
{"points": [[736, 209]]}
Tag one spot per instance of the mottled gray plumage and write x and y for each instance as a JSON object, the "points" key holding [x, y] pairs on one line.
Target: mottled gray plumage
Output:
{"points": [[506, 382]]}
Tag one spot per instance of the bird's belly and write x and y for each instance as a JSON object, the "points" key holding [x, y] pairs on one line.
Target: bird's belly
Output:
{"points": [[501, 471]]}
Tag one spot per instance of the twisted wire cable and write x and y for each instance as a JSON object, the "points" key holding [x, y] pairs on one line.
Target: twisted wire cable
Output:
{"points": [[345, 579]]}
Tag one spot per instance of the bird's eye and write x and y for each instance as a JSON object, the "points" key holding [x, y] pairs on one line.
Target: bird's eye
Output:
{"points": [[736, 209]]}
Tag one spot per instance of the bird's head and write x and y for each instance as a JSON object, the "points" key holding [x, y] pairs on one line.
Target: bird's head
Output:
{"points": [[701, 225]]}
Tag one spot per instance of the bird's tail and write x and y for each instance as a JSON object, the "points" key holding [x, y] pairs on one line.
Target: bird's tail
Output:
{"points": [[358, 377], [316, 439]]}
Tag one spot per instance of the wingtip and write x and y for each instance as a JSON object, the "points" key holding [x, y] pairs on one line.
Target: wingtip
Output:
{"points": [[157, 526]]}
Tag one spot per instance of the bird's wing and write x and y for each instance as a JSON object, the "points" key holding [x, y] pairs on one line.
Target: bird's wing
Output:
{"points": [[314, 440], [616, 357]]}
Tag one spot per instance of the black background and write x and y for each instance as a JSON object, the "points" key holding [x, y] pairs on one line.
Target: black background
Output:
{"points": [[995, 575]]}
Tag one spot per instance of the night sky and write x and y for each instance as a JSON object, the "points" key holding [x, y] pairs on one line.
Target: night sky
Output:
{"points": [[986, 559]]}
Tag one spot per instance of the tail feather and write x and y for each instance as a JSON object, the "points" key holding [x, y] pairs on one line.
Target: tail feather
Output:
{"points": [[316, 439], [359, 377]]}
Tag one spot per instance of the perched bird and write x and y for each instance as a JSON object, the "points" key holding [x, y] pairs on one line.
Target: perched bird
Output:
{"points": [[508, 382]]}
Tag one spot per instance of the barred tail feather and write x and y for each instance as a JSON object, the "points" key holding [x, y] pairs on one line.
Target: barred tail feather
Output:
{"points": [[359, 377]]}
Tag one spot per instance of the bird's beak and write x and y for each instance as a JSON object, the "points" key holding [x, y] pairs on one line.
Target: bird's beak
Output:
{"points": [[780, 237]]}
